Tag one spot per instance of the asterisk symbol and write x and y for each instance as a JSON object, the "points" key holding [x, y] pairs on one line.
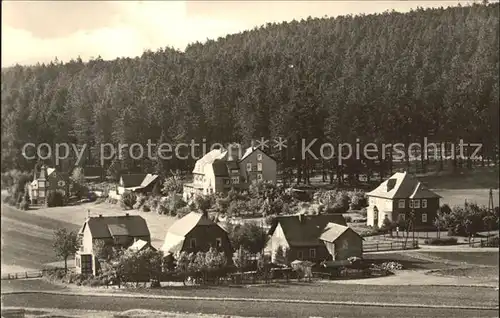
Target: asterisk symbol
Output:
{"points": [[262, 143], [280, 143]]}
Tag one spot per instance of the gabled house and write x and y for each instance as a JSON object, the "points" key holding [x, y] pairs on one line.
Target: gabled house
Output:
{"points": [[116, 231], [221, 170], [397, 197], [45, 181], [313, 238], [196, 232], [342, 242], [140, 182]]}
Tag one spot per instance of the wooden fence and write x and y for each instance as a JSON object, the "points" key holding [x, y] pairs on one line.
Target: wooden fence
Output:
{"points": [[389, 246], [22, 275]]}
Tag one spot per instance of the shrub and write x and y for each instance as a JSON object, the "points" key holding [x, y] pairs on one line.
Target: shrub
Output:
{"points": [[139, 201], [55, 198], [441, 241], [24, 205], [128, 200], [145, 208], [358, 200], [348, 219]]}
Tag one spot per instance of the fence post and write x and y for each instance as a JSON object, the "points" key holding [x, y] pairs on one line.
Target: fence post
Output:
{"points": [[26, 274], [376, 246], [391, 246], [16, 275]]}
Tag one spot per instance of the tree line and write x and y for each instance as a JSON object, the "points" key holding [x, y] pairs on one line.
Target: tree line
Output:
{"points": [[383, 78]]}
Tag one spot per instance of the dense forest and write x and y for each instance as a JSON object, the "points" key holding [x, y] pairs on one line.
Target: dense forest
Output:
{"points": [[385, 78]]}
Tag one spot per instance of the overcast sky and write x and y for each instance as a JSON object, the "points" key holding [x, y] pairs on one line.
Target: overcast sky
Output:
{"points": [[39, 31]]}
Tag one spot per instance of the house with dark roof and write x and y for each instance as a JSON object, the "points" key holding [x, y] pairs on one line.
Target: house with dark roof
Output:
{"points": [[46, 180], [196, 232], [116, 231], [397, 197], [139, 182], [221, 170], [313, 238]]}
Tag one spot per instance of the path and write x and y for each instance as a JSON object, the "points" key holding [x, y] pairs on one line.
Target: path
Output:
{"points": [[243, 307]]}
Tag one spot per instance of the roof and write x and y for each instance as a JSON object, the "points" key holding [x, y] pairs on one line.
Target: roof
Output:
{"points": [[139, 245], [132, 180], [109, 226], [176, 234], [250, 150], [92, 171], [421, 192], [220, 168], [401, 185], [208, 159], [148, 179], [333, 231], [184, 225], [308, 231]]}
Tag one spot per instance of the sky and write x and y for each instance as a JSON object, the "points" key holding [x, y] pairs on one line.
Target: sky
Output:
{"points": [[39, 31]]}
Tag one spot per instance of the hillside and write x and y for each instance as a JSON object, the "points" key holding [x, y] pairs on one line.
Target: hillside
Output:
{"points": [[390, 77]]}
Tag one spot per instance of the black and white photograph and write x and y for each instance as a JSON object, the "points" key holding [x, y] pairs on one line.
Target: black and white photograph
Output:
{"points": [[237, 159]]}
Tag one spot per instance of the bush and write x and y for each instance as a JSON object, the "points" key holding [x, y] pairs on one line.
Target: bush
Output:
{"points": [[24, 205], [128, 200], [140, 200], [348, 219], [441, 241], [358, 200], [55, 198]]}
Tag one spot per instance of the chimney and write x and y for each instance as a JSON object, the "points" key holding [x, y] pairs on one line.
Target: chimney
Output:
{"points": [[100, 215], [126, 214], [233, 152]]}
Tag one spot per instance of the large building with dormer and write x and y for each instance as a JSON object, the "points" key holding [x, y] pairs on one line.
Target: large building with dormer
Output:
{"points": [[397, 197], [221, 170]]}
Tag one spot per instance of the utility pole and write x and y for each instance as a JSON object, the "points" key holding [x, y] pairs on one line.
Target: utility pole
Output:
{"points": [[490, 202]]}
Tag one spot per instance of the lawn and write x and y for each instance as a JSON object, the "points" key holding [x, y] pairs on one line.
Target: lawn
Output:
{"points": [[471, 258]]}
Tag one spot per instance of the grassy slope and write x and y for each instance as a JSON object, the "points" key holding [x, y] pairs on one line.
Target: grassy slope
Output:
{"points": [[27, 235]]}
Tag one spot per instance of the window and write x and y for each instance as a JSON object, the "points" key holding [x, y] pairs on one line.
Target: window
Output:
{"points": [[424, 203], [300, 255], [312, 253], [235, 180], [192, 243], [259, 176], [401, 204], [249, 166], [416, 204], [227, 181], [424, 217], [41, 184], [401, 217], [259, 166], [259, 157], [218, 242], [411, 203], [41, 194]]}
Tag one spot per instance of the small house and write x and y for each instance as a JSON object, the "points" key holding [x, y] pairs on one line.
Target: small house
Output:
{"points": [[311, 237], [116, 231], [140, 183], [196, 232]]}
